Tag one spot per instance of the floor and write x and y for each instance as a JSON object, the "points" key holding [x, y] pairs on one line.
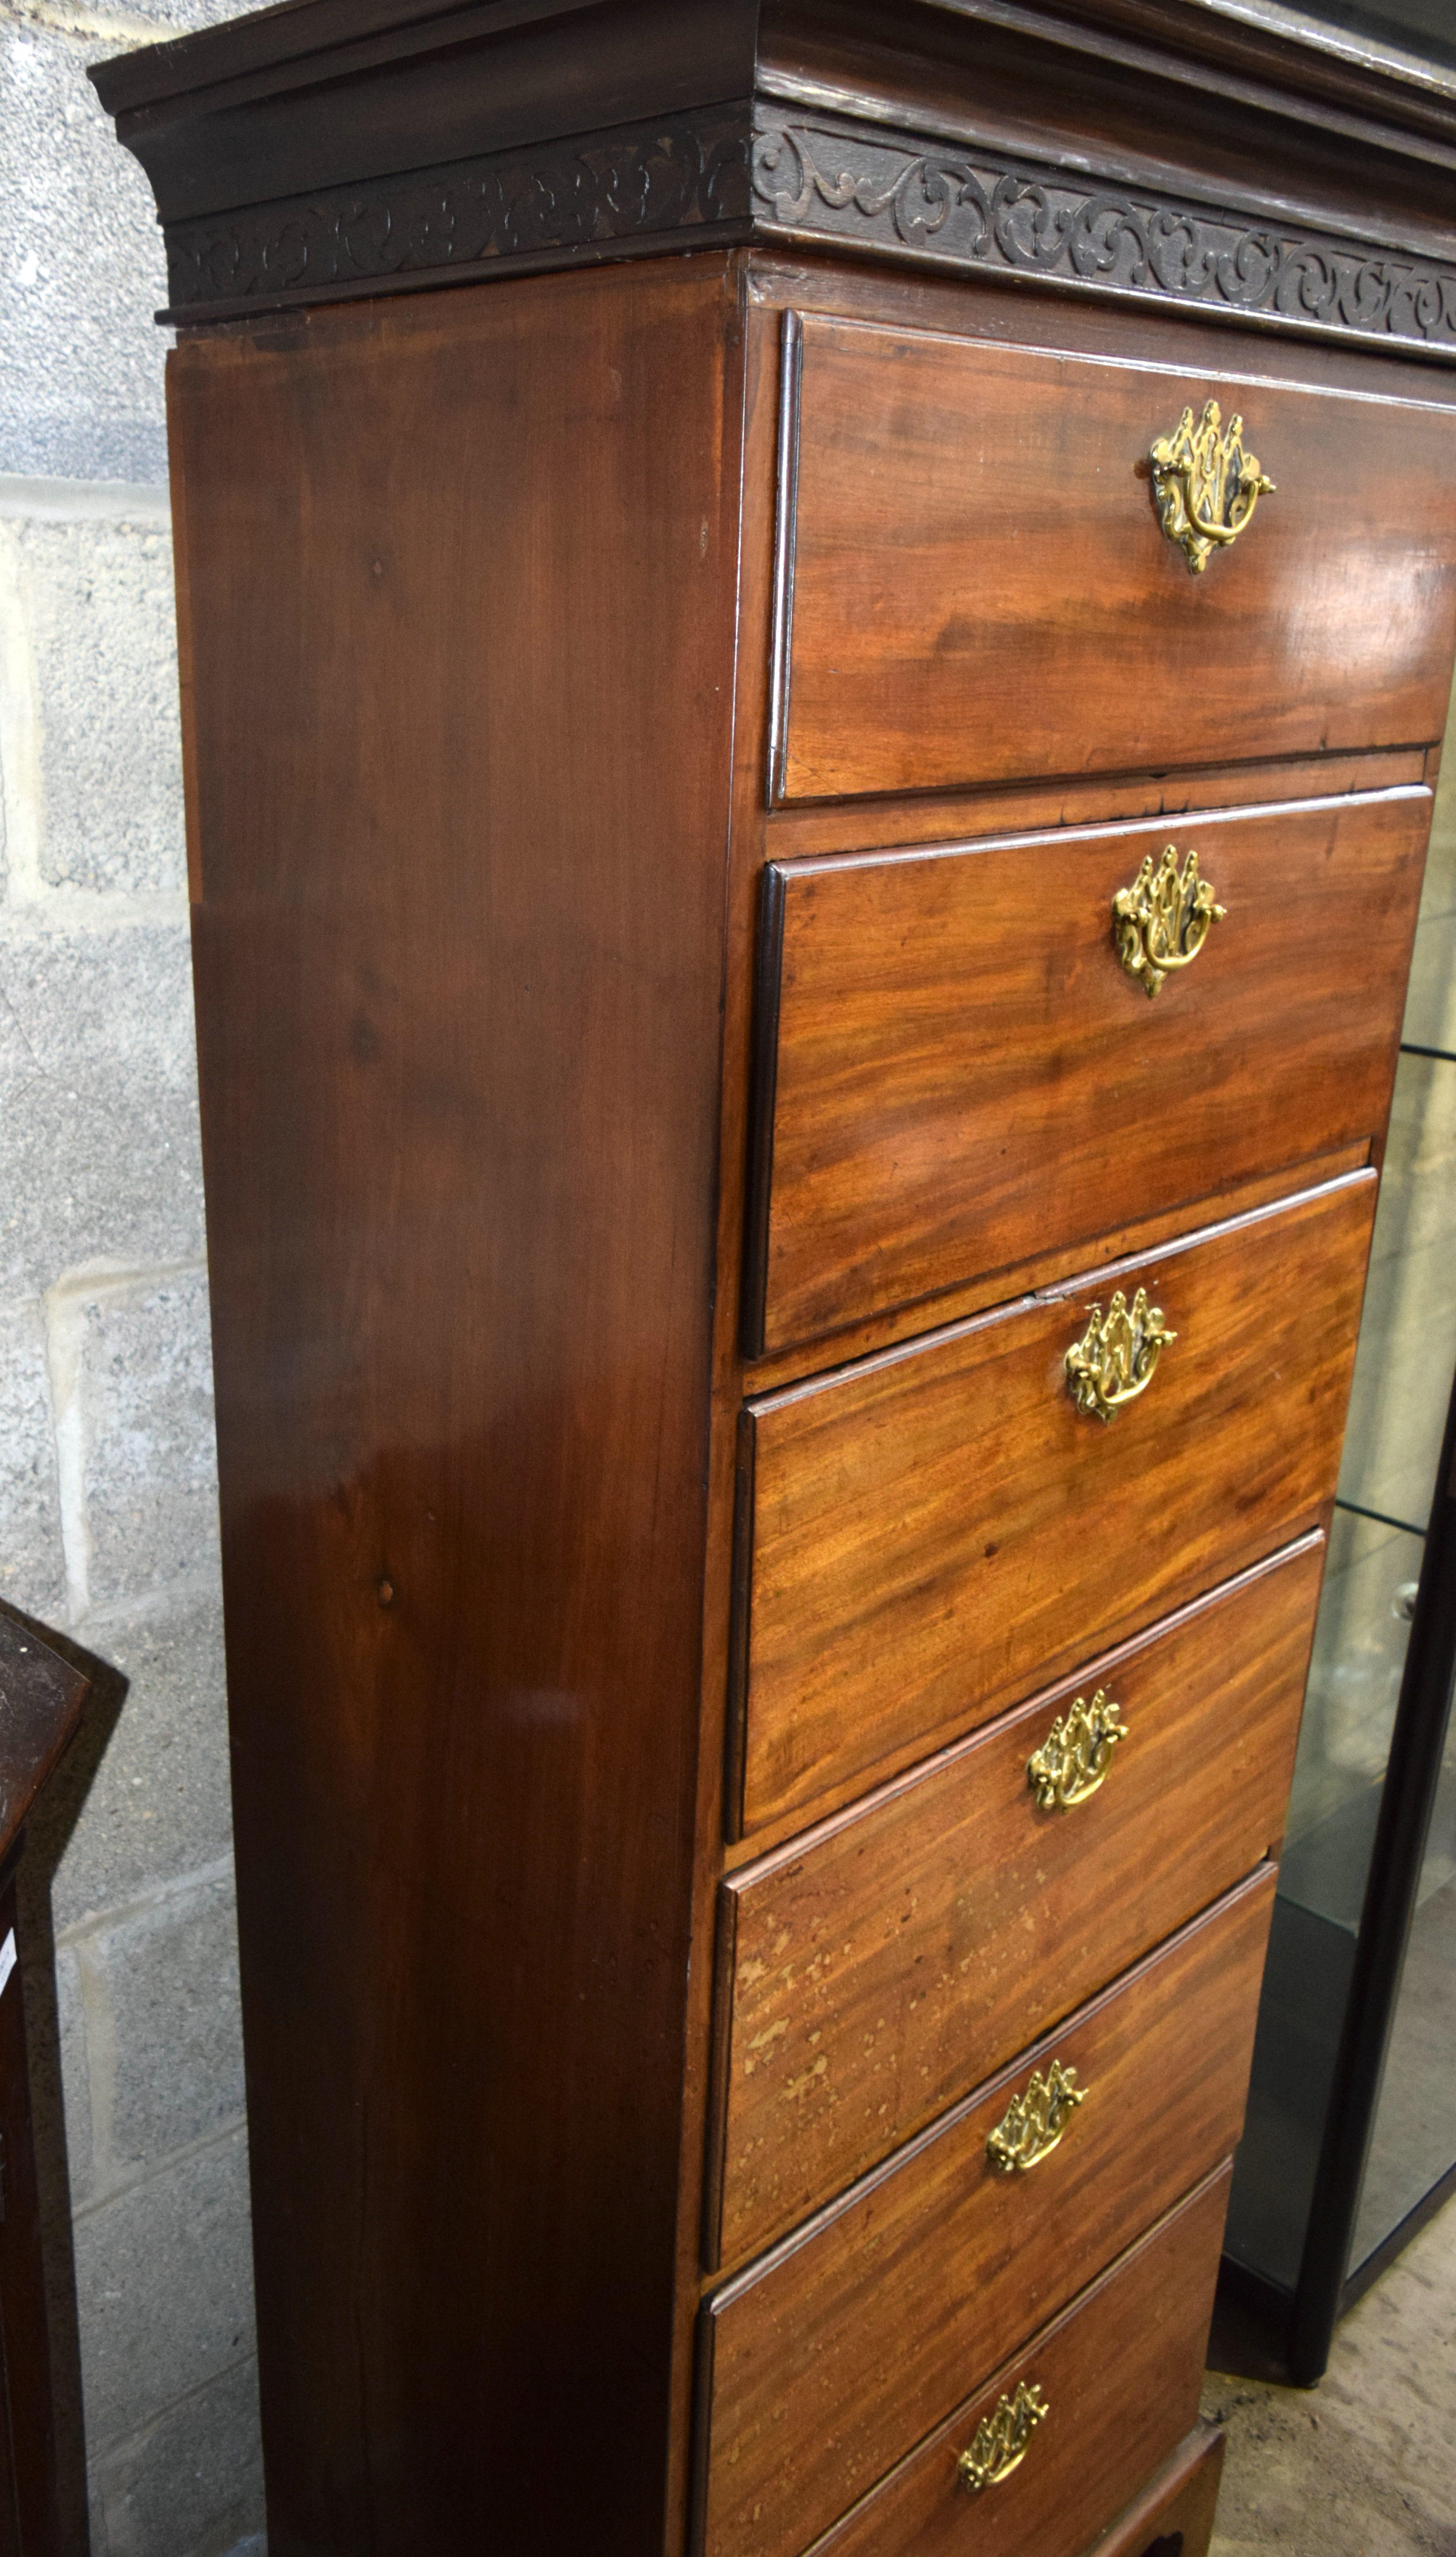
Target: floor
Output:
{"points": [[1364, 2464]]}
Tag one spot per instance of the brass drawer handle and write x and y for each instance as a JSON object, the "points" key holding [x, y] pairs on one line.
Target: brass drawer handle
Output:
{"points": [[1116, 1357], [1162, 920], [1206, 486], [1032, 2124], [1002, 2440], [1073, 1761]]}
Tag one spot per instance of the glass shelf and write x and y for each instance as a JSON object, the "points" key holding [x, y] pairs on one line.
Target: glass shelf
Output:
{"points": [[1316, 2003]]}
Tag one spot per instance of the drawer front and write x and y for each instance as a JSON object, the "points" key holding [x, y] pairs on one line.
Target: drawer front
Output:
{"points": [[1120, 2376], [1176, 2504], [832, 2360], [877, 1972], [937, 1530], [976, 582], [957, 1068]]}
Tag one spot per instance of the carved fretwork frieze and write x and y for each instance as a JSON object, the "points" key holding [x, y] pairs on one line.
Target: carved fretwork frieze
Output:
{"points": [[735, 173], [552, 204], [873, 192]]}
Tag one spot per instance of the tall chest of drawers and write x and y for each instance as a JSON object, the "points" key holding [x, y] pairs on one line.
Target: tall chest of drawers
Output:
{"points": [[805, 801]]}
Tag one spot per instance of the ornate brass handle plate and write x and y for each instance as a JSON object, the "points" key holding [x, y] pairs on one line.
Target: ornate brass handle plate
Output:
{"points": [[1072, 1763], [1002, 2440], [1033, 2123], [1163, 919], [1116, 1357], [1206, 486]]}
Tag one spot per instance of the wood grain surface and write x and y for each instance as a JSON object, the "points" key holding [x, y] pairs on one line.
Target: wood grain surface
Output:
{"points": [[834, 2358], [461, 631], [477, 603], [937, 1529], [30, 2516], [1047, 1268], [1121, 2374], [955, 1063], [878, 1969], [1177, 2504], [818, 828], [41, 1699], [982, 588]]}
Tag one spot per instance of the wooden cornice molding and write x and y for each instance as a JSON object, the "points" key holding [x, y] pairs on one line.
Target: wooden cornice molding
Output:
{"points": [[333, 149]]}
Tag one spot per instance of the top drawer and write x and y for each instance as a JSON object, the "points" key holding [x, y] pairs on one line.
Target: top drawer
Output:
{"points": [[975, 585]]}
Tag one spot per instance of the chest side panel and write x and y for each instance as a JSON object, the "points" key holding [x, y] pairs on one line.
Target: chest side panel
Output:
{"points": [[461, 621]]}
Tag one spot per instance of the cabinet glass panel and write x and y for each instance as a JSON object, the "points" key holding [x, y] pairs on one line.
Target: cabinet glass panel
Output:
{"points": [[1402, 1380]]}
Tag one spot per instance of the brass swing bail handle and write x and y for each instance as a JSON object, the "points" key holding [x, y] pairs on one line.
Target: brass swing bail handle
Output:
{"points": [[1163, 919], [1116, 1357], [1002, 2440], [1205, 484], [1073, 1761], [1035, 2121]]}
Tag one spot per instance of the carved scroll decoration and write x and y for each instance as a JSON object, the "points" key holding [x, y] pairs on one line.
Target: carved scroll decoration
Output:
{"points": [[686, 173], [973, 210], [738, 172]]}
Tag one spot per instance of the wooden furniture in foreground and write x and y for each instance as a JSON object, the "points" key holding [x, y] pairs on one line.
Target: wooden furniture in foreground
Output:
{"points": [[41, 1699], [806, 805]]}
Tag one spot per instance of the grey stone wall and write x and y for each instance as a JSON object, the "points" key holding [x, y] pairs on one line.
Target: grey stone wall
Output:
{"points": [[107, 1499]]}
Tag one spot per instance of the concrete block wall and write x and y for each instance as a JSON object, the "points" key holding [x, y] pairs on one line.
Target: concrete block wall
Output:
{"points": [[107, 1493]]}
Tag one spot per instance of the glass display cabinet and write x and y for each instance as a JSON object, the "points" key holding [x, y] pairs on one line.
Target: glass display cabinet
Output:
{"points": [[1350, 2143]]}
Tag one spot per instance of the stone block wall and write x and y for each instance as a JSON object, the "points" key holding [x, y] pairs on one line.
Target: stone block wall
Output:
{"points": [[107, 1495]]}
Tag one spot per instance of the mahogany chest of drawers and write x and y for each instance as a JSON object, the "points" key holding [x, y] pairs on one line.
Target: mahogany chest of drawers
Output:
{"points": [[807, 797]]}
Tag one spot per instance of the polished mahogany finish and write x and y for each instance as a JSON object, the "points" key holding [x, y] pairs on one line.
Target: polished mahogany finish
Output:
{"points": [[457, 991], [1048, 1267], [954, 1060], [1174, 2514], [1121, 2369], [353, 147], [831, 2359], [41, 1701], [876, 1968], [948, 818], [976, 582], [933, 1529], [505, 610]]}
